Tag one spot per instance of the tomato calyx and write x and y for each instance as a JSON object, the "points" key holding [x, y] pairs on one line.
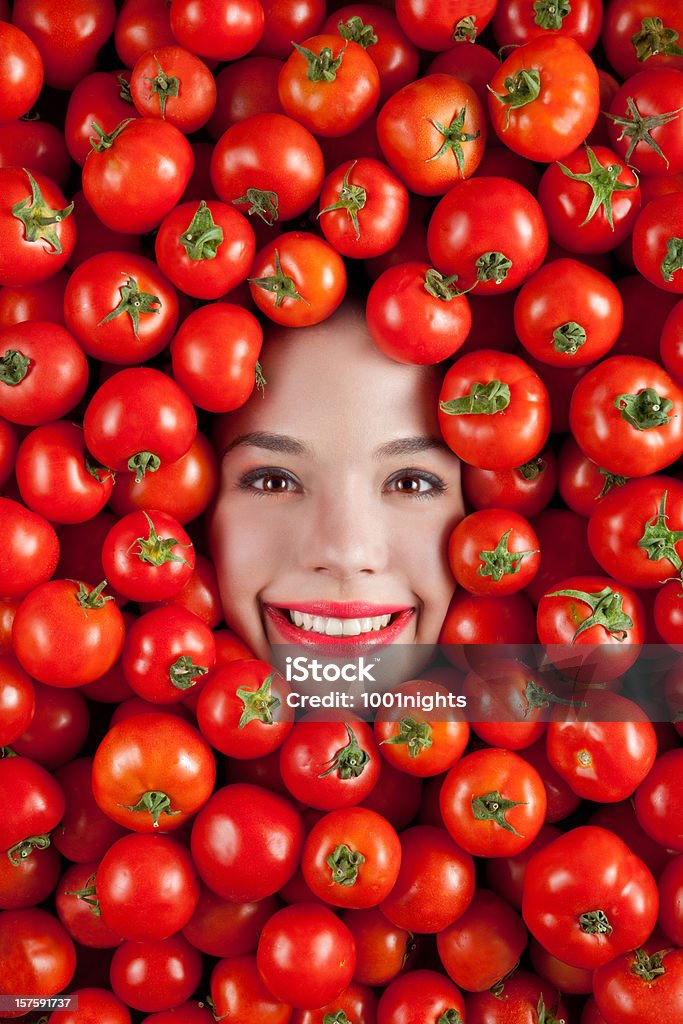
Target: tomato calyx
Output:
{"points": [[20, 851], [258, 704], [673, 260], [163, 85], [356, 31], [90, 600], [349, 761], [648, 968], [417, 736], [454, 135], [443, 288], [143, 462], [644, 410], [262, 203], [492, 266], [611, 480], [482, 400], [595, 922], [465, 30], [124, 89], [183, 673], [260, 378], [653, 38], [338, 1017], [38, 218], [101, 140], [450, 1016], [133, 302], [351, 198], [533, 468], [523, 87], [283, 286], [88, 894], [98, 471], [493, 807], [637, 128], [152, 802], [323, 66], [550, 14], [607, 611], [155, 550], [602, 179], [545, 1015], [500, 561], [344, 864], [538, 697], [569, 337], [658, 541], [203, 236], [13, 367]]}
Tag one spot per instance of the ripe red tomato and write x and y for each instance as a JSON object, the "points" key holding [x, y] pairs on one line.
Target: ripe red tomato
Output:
{"points": [[657, 245], [298, 279], [69, 35], [137, 173], [363, 208], [30, 549], [421, 743], [167, 652], [237, 991], [329, 84], [483, 945], [494, 411], [148, 556], [329, 765], [433, 26], [103, 97], [221, 29], [66, 633], [516, 22], [155, 975], [37, 954], [43, 372], [21, 68], [17, 700], [34, 808], [642, 984], [306, 956], [658, 802], [494, 552], [525, 489], [151, 770], [243, 710], [173, 83], [644, 121], [545, 98], [419, 997]]}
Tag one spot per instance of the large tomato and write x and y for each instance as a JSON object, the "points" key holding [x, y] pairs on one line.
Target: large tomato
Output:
{"points": [[363, 208], [298, 279], [174, 84], [43, 372]]}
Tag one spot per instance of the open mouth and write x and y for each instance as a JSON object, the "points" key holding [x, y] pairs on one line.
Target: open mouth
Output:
{"points": [[331, 626], [309, 626]]}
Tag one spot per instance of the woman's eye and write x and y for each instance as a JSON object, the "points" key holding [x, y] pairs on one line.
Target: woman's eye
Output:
{"points": [[269, 482], [416, 484]]}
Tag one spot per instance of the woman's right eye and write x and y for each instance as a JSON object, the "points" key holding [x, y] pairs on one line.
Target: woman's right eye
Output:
{"points": [[270, 481]]}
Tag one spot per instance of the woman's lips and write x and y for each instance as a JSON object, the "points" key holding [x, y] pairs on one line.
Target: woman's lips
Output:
{"points": [[335, 618]]}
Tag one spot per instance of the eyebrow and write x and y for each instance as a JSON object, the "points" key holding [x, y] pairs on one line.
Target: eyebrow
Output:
{"points": [[283, 444]]}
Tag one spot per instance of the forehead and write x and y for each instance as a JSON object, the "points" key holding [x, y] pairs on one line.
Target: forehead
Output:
{"points": [[332, 381]]}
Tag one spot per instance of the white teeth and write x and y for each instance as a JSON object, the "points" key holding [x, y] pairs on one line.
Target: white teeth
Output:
{"points": [[338, 627]]}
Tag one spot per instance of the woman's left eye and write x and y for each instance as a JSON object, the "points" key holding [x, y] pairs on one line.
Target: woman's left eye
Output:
{"points": [[418, 485]]}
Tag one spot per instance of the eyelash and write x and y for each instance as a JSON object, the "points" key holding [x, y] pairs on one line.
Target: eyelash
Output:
{"points": [[249, 481]]}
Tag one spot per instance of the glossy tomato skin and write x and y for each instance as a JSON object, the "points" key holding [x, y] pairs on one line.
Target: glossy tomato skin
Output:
{"points": [[330, 107], [243, 710], [148, 556], [68, 36], [394, 54], [656, 229], [515, 22], [59, 728], [17, 700], [383, 950], [153, 753], [166, 654], [508, 697], [482, 550], [483, 945], [195, 97], [431, 26], [657, 801], [435, 884], [624, 20], [633, 987], [22, 71], [85, 832], [54, 477], [31, 549], [238, 991], [306, 956], [381, 221], [519, 996], [414, 744], [420, 997], [242, 825], [35, 808], [120, 307], [655, 93], [133, 183], [567, 202], [564, 111], [97, 97], [221, 30], [587, 898], [37, 954], [63, 636], [328, 765], [139, 410], [514, 426], [313, 270], [525, 489], [483, 216], [155, 975], [49, 375]]}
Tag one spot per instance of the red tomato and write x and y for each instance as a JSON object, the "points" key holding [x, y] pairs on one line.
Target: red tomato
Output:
{"points": [[166, 653], [58, 729], [524, 996], [43, 372], [287, 22], [237, 991], [433, 26], [582, 484], [604, 900], [657, 801], [152, 769], [245, 88], [494, 411], [483, 945], [646, 31], [545, 98], [657, 245], [21, 68], [433, 133], [243, 710], [516, 22], [494, 552], [34, 808], [17, 700], [37, 954], [363, 208], [511, 700], [383, 950], [172, 83], [30, 549], [85, 832], [525, 489], [490, 232], [642, 984], [306, 956], [104, 97], [69, 36], [120, 308], [221, 29], [221, 928], [298, 279], [148, 556], [329, 85], [421, 743], [155, 975], [329, 765], [420, 997], [137, 173], [645, 122]]}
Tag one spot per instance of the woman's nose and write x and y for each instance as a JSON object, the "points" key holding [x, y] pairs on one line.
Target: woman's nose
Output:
{"points": [[348, 536]]}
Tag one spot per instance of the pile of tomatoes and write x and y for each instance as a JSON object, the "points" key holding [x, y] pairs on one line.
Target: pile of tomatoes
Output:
{"points": [[506, 180]]}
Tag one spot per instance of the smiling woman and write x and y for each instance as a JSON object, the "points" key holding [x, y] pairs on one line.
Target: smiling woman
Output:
{"points": [[337, 497]]}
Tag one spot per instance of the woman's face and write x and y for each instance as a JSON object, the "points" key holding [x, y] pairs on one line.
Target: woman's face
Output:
{"points": [[337, 498]]}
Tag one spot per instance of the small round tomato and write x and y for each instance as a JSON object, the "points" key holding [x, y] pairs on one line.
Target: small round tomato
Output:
{"points": [[148, 556], [102, 97], [568, 312], [43, 372], [298, 279], [351, 858], [363, 208], [421, 743], [658, 242], [21, 68], [17, 700], [432, 26], [238, 992], [220, 29], [34, 810], [166, 653], [329, 84], [526, 489], [641, 984], [36, 953], [516, 22], [152, 769], [493, 803], [30, 549], [37, 231], [484, 944], [545, 98], [173, 83], [645, 121], [243, 709], [155, 975], [508, 702], [658, 801], [329, 765], [494, 552], [494, 411], [66, 633], [306, 956]]}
